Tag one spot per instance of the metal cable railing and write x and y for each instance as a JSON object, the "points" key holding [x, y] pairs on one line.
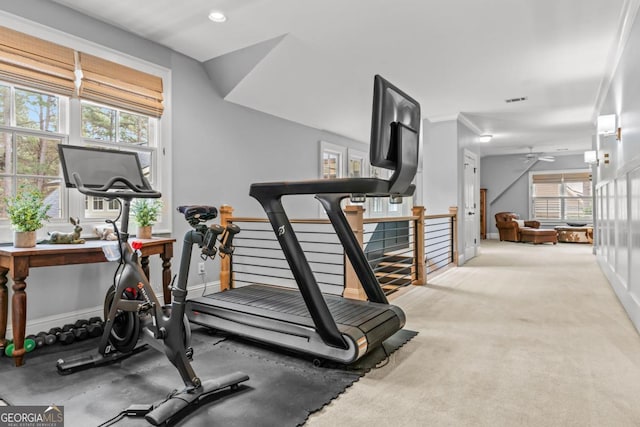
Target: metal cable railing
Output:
{"points": [[439, 242], [392, 245]]}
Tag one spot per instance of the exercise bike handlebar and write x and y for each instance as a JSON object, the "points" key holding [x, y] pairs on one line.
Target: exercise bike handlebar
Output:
{"points": [[111, 190]]}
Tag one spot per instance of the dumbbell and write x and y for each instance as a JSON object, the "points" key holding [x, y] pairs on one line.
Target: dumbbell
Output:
{"points": [[37, 339], [48, 338], [79, 333], [65, 337], [93, 326], [29, 346]]}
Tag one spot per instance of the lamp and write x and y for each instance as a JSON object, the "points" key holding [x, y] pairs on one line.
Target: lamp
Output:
{"points": [[591, 157], [607, 124], [485, 138]]}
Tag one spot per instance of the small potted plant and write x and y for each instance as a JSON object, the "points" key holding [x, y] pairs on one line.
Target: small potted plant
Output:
{"points": [[26, 211], [145, 213]]}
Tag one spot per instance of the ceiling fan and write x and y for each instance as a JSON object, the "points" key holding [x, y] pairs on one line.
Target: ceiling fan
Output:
{"points": [[531, 156]]}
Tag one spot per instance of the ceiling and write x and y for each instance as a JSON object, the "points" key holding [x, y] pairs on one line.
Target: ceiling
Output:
{"points": [[458, 58]]}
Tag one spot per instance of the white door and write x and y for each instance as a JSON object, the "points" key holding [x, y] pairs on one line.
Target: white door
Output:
{"points": [[471, 220]]}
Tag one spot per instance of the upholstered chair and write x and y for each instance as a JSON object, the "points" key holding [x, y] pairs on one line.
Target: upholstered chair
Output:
{"points": [[509, 226]]}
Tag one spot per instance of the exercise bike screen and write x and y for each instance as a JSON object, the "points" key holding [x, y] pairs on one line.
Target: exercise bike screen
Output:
{"points": [[97, 166]]}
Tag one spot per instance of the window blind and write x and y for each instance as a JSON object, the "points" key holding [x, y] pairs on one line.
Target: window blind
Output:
{"points": [[556, 178], [36, 63], [114, 84]]}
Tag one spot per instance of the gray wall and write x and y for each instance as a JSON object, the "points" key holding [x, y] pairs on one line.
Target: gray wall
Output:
{"points": [[218, 150], [618, 184], [499, 172]]}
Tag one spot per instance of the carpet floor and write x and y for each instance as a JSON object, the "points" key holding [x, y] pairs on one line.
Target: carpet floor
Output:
{"points": [[521, 335]]}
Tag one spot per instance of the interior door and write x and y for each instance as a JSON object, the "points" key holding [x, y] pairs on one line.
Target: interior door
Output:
{"points": [[471, 220]]}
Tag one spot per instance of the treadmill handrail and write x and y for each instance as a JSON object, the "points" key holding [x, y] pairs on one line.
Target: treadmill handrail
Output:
{"points": [[372, 187]]}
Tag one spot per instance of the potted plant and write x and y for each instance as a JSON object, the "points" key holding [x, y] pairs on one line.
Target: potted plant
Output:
{"points": [[145, 213], [26, 211]]}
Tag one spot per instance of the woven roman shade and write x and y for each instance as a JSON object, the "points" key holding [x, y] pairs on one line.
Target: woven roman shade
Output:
{"points": [[557, 178], [114, 84], [36, 63]]}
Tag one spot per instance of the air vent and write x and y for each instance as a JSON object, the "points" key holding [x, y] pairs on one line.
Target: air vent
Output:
{"points": [[509, 101]]}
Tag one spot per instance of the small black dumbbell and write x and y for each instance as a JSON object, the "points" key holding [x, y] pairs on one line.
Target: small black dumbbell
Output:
{"points": [[79, 333], [65, 337], [47, 338], [95, 329]]}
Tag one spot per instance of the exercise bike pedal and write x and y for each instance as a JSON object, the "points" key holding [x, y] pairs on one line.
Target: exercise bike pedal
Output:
{"points": [[87, 361]]}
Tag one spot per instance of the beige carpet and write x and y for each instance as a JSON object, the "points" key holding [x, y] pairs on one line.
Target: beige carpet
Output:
{"points": [[522, 335]]}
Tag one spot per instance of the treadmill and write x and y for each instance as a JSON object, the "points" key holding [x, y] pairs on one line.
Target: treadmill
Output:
{"points": [[305, 320]]}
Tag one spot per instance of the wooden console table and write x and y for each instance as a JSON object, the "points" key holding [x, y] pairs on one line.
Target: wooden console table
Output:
{"points": [[17, 261]]}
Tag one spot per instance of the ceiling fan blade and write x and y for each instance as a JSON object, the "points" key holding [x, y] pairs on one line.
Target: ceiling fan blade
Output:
{"points": [[547, 158]]}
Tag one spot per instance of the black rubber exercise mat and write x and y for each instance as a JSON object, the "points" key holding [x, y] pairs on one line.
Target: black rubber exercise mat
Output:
{"points": [[283, 389]]}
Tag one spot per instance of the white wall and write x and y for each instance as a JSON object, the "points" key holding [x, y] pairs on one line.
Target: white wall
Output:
{"points": [[440, 163], [618, 184]]}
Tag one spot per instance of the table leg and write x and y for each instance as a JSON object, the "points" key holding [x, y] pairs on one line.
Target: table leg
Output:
{"points": [[19, 273], [166, 277], [4, 306], [144, 263]]}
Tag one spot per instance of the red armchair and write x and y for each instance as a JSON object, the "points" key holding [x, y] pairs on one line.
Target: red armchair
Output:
{"points": [[509, 226]]}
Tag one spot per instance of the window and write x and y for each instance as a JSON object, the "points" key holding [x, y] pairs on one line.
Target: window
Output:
{"points": [[331, 160], [561, 196], [104, 126], [31, 127], [59, 89]]}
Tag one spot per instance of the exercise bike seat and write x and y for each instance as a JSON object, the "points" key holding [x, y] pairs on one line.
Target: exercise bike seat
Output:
{"points": [[201, 213]]}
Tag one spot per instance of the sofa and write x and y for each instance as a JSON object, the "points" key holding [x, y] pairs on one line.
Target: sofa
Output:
{"points": [[510, 226]]}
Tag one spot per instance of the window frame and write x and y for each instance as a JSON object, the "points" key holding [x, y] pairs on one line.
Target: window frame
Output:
{"points": [[72, 202], [562, 197]]}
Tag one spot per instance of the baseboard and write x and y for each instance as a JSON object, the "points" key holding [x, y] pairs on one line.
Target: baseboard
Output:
{"points": [[493, 236], [58, 320]]}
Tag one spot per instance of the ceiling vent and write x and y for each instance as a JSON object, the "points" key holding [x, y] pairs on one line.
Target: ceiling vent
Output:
{"points": [[509, 101]]}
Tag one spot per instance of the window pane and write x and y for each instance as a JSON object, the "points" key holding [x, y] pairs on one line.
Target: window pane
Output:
{"points": [[96, 208], [546, 208], [546, 190], [51, 189], [6, 190], [578, 208], [6, 157], [5, 105], [134, 129], [330, 164], [578, 189], [98, 122], [37, 156], [145, 164], [37, 111]]}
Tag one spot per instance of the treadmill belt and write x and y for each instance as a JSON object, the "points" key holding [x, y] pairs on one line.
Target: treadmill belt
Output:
{"points": [[289, 301]]}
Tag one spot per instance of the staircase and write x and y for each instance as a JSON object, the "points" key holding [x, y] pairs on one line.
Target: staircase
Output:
{"points": [[395, 271]]}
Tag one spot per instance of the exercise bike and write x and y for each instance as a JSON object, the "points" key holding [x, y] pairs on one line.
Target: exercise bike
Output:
{"points": [[134, 317]]}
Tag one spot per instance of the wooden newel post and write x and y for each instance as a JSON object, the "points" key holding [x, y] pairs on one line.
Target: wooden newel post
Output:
{"points": [[352, 287], [226, 278], [453, 210], [418, 268]]}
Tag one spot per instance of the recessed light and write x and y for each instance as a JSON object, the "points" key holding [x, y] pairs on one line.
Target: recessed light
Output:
{"points": [[217, 16], [485, 138]]}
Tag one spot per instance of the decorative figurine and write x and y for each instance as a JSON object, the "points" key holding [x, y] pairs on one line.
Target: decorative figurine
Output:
{"points": [[56, 237]]}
